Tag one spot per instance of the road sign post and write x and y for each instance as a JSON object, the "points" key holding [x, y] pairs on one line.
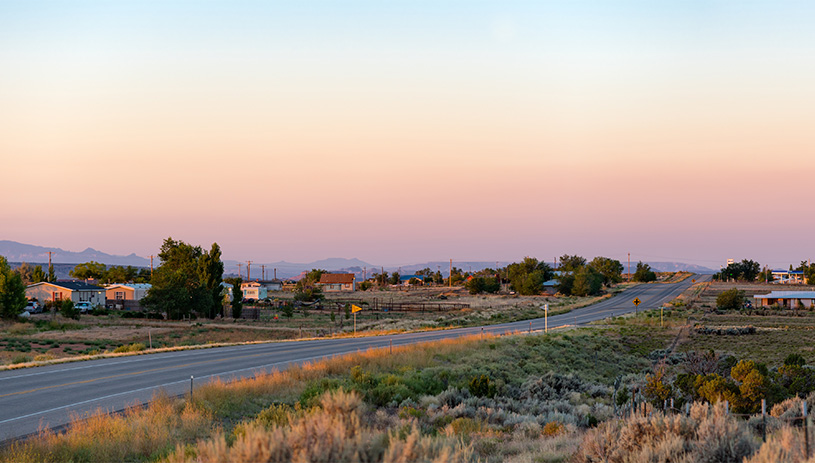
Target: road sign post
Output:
{"points": [[546, 318], [354, 310], [637, 303]]}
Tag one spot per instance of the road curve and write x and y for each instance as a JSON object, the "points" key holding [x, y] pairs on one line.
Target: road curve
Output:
{"points": [[48, 396]]}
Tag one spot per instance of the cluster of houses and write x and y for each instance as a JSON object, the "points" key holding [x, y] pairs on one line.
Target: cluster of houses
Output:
{"points": [[127, 296]]}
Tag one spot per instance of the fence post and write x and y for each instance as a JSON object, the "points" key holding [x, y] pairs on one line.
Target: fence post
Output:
{"points": [[530, 327], [805, 425], [191, 378], [482, 333], [764, 420]]}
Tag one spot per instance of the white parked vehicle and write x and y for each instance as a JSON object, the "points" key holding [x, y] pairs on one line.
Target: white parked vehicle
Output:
{"points": [[83, 307], [33, 307]]}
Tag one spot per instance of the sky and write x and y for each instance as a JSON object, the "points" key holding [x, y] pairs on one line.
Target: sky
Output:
{"points": [[401, 132]]}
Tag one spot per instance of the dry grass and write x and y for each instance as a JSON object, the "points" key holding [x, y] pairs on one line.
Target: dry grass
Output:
{"points": [[138, 432]]}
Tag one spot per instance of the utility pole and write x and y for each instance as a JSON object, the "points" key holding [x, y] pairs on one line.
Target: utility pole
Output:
{"points": [[275, 273], [450, 280], [263, 272], [151, 266], [240, 275], [629, 266], [364, 273], [248, 269]]}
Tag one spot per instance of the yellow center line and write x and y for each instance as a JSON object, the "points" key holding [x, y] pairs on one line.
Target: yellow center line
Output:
{"points": [[131, 374]]}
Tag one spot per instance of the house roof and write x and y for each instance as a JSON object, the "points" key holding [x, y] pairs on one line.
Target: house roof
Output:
{"points": [[791, 272], [408, 277], [71, 285], [130, 285], [336, 278], [787, 295]]}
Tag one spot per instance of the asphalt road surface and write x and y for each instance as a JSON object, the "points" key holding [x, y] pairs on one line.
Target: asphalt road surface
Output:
{"points": [[48, 396]]}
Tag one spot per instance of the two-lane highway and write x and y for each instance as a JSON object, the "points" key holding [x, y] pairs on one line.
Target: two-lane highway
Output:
{"points": [[49, 395]]}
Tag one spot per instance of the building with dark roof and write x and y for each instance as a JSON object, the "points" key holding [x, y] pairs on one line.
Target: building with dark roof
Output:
{"points": [[77, 291]]}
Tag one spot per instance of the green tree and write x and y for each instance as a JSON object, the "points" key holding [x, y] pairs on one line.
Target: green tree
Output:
{"points": [[38, 276], [587, 281], [88, 270], [644, 273], [610, 269], [120, 274], [528, 276], [571, 263], [237, 296], [394, 279], [67, 309], [12, 291], [210, 273], [306, 289], [732, 299], [746, 270], [179, 287], [52, 276]]}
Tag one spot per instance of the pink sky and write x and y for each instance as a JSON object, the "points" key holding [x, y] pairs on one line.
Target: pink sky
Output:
{"points": [[679, 132]]}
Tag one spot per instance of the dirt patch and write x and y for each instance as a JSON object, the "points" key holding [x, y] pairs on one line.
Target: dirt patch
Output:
{"points": [[112, 332]]}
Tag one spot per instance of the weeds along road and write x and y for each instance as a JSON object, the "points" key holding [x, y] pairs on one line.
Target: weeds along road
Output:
{"points": [[48, 396]]}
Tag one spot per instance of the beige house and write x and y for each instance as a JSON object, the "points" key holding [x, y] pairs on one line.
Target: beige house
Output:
{"points": [[76, 291], [337, 282], [126, 292]]}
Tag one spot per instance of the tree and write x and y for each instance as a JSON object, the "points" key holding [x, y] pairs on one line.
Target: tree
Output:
{"points": [[67, 309], [587, 282], [237, 296], [746, 270], [89, 270], [610, 269], [211, 272], [26, 273], [732, 299], [306, 289], [656, 390], [180, 287], [394, 279], [528, 276], [644, 273], [120, 274], [571, 263], [12, 291], [52, 276], [38, 276]]}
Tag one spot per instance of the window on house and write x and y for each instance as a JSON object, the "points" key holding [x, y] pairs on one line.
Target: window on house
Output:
{"points": [[119, 295]]}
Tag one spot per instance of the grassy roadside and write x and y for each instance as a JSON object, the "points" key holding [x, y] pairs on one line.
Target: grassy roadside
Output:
{"points": [[467, 398]]}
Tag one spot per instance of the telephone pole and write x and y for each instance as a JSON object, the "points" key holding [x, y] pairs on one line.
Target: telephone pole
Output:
{"points": [[240, 275], [263, 272], [629, 266], [248, 269], [450, 280]]}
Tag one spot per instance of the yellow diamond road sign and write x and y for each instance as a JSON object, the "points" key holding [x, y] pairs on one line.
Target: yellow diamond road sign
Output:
{"points": [[637, 301], [355, 308]]}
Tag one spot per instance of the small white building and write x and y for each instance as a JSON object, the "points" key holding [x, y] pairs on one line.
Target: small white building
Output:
{"points": [[272, 285], [77, 291], [253, 290], [786, 299]]}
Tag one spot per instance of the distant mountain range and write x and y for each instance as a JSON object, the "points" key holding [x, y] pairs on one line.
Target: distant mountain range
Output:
{"points": [[19, 252], [16, 252]]}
